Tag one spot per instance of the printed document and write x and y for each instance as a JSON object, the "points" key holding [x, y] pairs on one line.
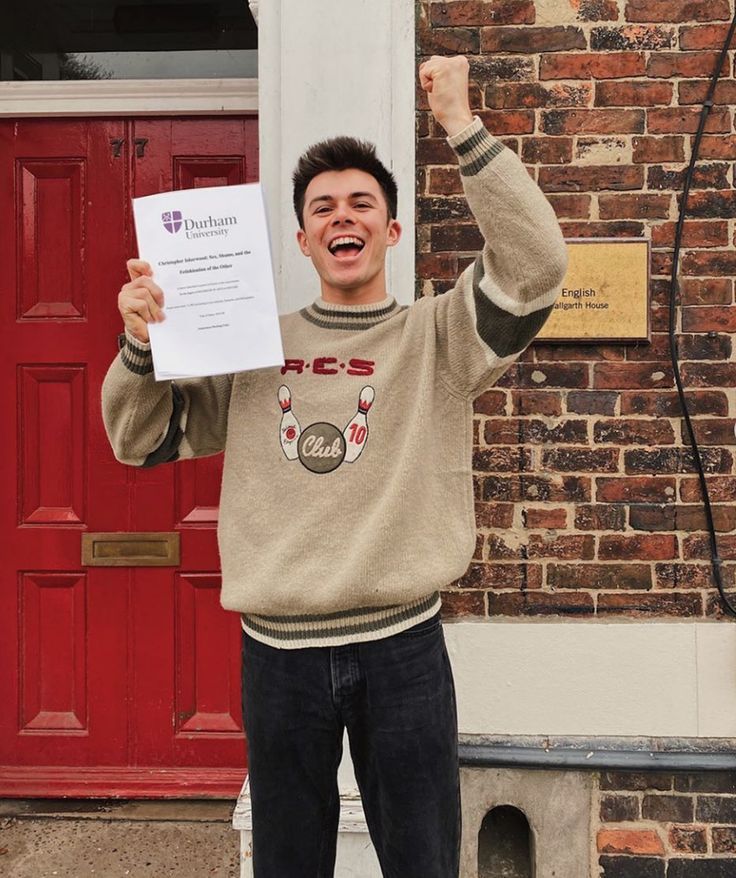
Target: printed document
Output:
{"points": [[210, 255]]}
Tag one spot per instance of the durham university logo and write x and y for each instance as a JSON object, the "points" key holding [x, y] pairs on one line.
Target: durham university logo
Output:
{"points": [[172, 220]]}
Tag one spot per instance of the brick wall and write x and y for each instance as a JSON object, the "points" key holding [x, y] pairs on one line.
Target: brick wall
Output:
{"points": [[586, 499], [657, 825]]}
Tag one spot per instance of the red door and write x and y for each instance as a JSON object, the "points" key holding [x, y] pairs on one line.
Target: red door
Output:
{"points": [[114, 680]]}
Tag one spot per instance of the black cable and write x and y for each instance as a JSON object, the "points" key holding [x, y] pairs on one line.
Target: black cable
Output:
{"points": [[674, 288]]}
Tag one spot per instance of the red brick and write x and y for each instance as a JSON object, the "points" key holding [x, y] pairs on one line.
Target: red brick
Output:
{"points": [[592, 402], [658, 149], [668, 404], [492, 402], [500, 576], [709, 318], [630, 841], [604, 516], [592, 121], [504, 67], [434, 151], [642, 205], [706, 291], [633, 94], [536, 402], [712, 263], [691, 576], [531, 39], [682, 604], [437, 265], [646, 547], [539, 375], [677, 10], [709, 374], [447, 40], [709, 431], [661, 265], [617, 229], [543, 518], [710, 176], [597, 10], [635, 780], [540, 604], [710, 205], [695, 92], [717, 148], [635, 489], [652, 518], [667, 65], [502, 96], [459, 604], [705, 346], [445, 181], [678, 120], [627, 376], [502, 460], [545, 352], [631, 37], [512, 431], [676, 460], [695, 234], [547, 150], [590, 178], [618, 809], [574, 206], [696, 547], [587, 65], [553, 489], [693, 518], [566, 548], [474, 12], [494, 515], [501, 122], [688, 840], [500, 549], [633, 431], [456, 237], [709, 36], [668, 809], [591, 460], [599, 576], [721, 489]]}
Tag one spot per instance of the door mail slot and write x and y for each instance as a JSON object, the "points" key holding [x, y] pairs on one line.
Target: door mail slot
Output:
{"points": [[130, 549]]}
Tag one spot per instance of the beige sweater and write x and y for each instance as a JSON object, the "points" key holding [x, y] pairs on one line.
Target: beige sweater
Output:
{"points": [[347, 497]]}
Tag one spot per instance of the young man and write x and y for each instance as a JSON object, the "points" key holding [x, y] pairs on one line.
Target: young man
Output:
{"points": [[347, 498]]}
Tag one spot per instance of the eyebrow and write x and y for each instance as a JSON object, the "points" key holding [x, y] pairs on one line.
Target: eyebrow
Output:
{"points": [[352, 195]]}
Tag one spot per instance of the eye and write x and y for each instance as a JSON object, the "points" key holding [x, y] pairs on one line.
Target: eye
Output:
{"points": [[323, 209]]}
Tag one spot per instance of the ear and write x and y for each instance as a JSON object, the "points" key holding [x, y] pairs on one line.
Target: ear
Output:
{"points": [[301, 237], [393, 235]]}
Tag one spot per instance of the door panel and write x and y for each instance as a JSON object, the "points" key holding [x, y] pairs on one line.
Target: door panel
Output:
{"points": [[109, 668]]}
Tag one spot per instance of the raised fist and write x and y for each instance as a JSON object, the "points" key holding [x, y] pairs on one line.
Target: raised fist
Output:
{"points": [[446, 82]]}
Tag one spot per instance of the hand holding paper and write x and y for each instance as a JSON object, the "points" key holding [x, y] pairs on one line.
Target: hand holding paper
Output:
{"points": [[209, 252]]}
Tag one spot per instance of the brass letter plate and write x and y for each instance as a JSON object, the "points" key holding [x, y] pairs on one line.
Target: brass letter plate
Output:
{"points": [[130, 549]]}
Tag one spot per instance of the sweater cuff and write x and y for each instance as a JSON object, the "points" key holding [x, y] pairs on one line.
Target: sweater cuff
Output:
{"points": [[136, 355], [475, 147]]}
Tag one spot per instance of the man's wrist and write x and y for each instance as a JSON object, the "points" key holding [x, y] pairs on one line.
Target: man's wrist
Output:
{"points": [[456, 123]]}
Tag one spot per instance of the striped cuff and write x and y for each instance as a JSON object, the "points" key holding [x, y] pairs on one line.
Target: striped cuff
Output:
{"points": [[475, 147], [136, 355]]}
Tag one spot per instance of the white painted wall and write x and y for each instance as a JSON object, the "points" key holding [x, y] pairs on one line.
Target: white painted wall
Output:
{"points": [[337, 67], [618, 678]]}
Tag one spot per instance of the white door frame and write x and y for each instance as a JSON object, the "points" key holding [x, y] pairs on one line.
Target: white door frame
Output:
{"points": [[128, 97]]}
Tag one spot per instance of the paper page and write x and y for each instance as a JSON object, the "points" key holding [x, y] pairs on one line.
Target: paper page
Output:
{"points": [[210, 255]]}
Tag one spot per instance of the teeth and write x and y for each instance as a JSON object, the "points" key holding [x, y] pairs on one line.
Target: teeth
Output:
{"points": [[345, 240]]}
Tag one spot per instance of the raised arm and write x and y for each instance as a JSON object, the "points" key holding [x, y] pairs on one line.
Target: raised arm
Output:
{"points": [[501, 301]]}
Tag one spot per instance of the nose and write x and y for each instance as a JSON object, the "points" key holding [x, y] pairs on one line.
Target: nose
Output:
{"points": [[342, 214]]}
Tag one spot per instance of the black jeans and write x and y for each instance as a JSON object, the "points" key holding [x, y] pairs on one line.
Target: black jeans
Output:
{"points": [[396, 697]]}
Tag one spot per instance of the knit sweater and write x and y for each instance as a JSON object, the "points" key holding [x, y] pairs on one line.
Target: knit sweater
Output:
{"points": [[347, 499]]}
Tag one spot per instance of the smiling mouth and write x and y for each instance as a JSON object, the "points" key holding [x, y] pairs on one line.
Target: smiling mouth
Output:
{"points": [[345, 247]]}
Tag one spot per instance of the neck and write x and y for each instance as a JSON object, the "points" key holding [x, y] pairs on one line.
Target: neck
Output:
{"points": [[365, 294]]}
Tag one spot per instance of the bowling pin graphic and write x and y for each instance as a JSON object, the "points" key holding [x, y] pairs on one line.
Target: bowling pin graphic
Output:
{"points": [[290, 430], [356, 432]]}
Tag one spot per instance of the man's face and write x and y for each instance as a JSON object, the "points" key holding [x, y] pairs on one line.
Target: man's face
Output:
{"points": [[346, 233]]}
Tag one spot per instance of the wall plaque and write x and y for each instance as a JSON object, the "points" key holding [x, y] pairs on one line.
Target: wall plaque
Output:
{"points": [[605, 294]]}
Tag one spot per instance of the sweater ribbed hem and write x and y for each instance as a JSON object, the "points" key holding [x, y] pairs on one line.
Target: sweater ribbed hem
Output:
{"points": [[136, 355], [342, 628], [328, 315], [475, 147]]}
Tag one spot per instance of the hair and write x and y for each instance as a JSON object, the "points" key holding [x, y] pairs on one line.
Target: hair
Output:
{"points": [[341, 154]]}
